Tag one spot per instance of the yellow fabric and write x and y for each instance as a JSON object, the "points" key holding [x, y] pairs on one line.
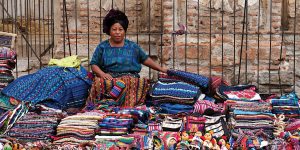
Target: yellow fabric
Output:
{"points": [[71, 61]]}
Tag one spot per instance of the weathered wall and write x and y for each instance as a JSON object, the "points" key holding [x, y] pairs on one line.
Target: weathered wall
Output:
{"points": [[203, 47]]}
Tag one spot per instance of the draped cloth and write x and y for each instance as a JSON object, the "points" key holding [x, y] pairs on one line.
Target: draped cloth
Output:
{"points": [[55, 87], [133, 94]]}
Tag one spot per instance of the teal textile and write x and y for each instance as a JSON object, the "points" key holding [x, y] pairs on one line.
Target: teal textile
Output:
{"points": [[126, 59]]}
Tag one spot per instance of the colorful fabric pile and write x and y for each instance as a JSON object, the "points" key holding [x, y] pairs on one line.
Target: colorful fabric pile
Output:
{"points": [[288, 105], [7, 58], [182, 111], [35, 126], [76, 129], [115, 126]]}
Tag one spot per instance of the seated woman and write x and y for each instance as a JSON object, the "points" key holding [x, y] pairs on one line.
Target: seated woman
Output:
{"points": [[116, 63]]}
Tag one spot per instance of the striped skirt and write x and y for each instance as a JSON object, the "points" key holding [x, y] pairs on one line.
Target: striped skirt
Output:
{"points": [[133, 94]]}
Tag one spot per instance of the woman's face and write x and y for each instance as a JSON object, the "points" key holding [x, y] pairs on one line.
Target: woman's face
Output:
{"points": [[117, 33]]}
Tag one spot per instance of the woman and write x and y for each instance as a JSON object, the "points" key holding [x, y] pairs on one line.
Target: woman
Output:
{"points": [[116, 63]]}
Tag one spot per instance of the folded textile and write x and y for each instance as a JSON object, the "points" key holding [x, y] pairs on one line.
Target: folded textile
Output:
{"points": [[199, 80], [177, 90], [175, 108]]}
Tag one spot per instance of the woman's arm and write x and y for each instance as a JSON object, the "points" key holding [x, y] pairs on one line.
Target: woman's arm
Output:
{"points": [[150, 63], [100, 73]]}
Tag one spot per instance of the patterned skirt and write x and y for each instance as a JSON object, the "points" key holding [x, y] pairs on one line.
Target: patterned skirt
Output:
{"points": [[133, 94]]}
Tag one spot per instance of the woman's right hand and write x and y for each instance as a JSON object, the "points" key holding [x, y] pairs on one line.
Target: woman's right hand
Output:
{"points": [[106, 76]]}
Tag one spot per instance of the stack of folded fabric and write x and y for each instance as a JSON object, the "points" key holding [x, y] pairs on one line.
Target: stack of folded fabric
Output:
{"points": [[117, 126], [35, 126], [253, 122], [141, 118], [177, 91], [288, 105], [7, 58], [78, 128]]}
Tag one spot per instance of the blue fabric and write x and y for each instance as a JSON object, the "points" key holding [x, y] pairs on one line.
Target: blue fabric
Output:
{"points": [[53, 86], [292, 111], [140, 114], [176, 90], [175, 108], [284, 102], [241, 112], [292, 96], [126, 59], [111, 122], [290, 99], [196, 79]]}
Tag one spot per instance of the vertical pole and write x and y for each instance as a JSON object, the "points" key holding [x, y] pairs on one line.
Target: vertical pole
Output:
{"points": [[270, 52], [258, 43], [185, 36]]}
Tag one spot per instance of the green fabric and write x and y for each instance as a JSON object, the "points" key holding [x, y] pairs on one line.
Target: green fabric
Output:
{"points": [[5, 103], [71, 61]]}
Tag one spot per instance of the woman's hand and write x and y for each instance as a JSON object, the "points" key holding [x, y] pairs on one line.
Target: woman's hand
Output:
{"points": [[99, 73], [164, 70], [106, 76]]}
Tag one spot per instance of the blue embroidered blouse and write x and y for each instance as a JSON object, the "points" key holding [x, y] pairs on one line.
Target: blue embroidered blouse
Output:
{"points": [[126, 59]]}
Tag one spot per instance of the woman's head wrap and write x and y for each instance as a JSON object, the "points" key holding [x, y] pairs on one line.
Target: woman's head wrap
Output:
{"points": [[114, 16]]}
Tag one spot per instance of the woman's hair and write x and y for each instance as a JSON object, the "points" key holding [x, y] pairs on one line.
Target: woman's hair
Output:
{"points": [[114, 16]]}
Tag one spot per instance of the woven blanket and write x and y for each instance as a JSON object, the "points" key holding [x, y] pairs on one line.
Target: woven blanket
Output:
{"points": [[55, 87], [133, 94], [177, 90], [239, 92], [197, 79]]}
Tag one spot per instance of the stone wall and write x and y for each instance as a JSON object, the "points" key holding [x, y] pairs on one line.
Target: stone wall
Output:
{"points": [[205, 55]]}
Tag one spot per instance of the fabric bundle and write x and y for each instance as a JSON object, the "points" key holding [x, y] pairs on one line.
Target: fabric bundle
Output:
{"points": [[174, 92], [168, 108], [140, 125], [252, 122], [287, 105], [196, 79], [253, 116], [35, 126], [115, 126], [7, 64], [78, 128]]}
